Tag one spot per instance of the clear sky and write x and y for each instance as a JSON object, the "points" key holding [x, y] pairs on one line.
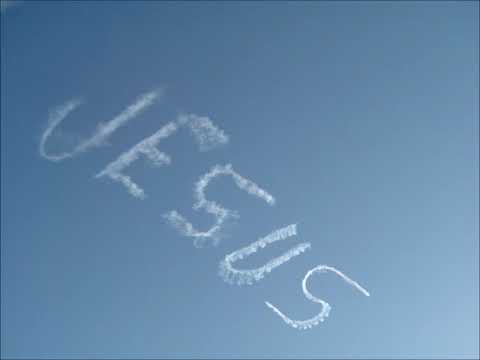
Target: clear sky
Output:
{"points": [[360, 119]]}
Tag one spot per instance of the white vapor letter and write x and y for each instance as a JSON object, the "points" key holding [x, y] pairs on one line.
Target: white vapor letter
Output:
{"points": [[103, 131], [54, 119], [146, 147], [232, 275], [220, 213], [207, 135], [320, 317]]}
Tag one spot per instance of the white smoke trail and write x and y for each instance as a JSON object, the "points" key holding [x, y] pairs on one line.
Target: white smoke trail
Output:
{"points": [[54, 119], [147, 147], [103, 131], [309, 323], [135, 109], [241, 277], [207, 135], [220, 213]]}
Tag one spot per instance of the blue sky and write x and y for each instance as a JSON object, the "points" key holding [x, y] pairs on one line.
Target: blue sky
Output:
{"points": [[359, 118]]}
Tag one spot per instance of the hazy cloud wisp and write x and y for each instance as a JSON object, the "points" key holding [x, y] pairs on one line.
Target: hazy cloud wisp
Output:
{"points": [[6, 4]]}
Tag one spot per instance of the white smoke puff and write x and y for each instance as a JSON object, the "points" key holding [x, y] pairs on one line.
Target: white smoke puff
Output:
{"points": [[208, 136]]}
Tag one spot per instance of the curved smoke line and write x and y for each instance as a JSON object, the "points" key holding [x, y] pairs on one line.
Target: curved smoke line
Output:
{"points": [[320, 317], [58, 114], [249, 276]]}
